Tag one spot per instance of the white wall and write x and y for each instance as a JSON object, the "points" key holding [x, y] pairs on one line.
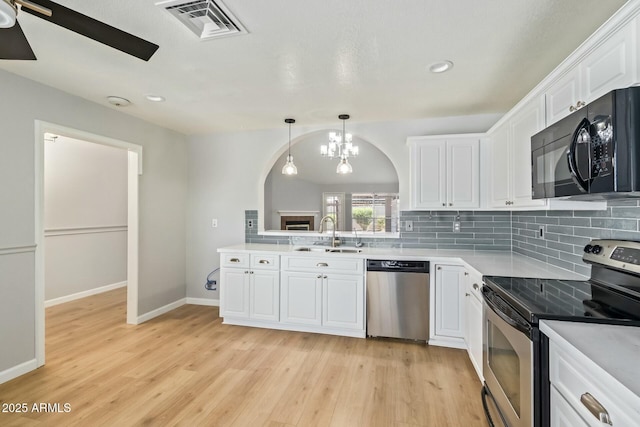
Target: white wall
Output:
{"points": [[163, 195], [227, 172], [85, 216]]}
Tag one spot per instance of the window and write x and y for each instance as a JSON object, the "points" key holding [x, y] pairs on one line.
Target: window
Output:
{"points": [[376, 213]]}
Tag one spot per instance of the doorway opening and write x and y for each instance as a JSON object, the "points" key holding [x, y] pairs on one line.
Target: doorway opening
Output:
{"points": [[133, 169]]}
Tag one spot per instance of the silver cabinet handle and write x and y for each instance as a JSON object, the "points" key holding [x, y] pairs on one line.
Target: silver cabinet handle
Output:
{"points": [[475, 287], [444, 204], [450, 204], [466, 294], [246, 272], [319, 276], [466, 273], [234, 260], [251, 272], [572, 108], [596, 408], [439, 268], [322, 264], [264, 261], [325, 277]]}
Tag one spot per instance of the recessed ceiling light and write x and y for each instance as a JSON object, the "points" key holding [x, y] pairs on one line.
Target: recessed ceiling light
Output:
{"points": [[118, 101], [441, 67], [155, 98]]}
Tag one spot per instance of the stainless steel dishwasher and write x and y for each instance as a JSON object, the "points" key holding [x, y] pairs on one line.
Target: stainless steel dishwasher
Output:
{"points": [[398, 299]]}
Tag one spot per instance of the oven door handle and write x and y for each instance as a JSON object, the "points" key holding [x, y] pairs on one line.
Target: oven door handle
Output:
{"points": [[525, 329]]}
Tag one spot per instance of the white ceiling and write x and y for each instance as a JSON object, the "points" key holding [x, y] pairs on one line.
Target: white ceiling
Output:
{"points": [[315, 59]]}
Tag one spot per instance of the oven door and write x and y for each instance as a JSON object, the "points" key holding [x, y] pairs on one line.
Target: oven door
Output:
{"points": [[507, 361]]}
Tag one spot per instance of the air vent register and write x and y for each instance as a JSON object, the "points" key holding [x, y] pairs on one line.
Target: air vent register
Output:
{"points": [[206, 18]]}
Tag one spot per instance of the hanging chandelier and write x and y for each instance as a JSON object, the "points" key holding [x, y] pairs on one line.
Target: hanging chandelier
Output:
{"points": [[340, 146], [289, 168]]}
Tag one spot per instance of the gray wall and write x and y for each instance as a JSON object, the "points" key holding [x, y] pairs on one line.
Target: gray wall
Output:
{"points": [[565, 233], [85, 216], [163, 195]]}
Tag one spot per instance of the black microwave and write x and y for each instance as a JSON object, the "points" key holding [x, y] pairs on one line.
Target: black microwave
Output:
{"points": [[592, 154]]}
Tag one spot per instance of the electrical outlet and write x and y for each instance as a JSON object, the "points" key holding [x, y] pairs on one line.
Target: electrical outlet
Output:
{"points": [[250, 223], [408, 225], [456, 226], [214, 223]]}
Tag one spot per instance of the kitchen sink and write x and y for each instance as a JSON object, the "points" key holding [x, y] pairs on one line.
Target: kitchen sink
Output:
{"points": [[328, 249]]}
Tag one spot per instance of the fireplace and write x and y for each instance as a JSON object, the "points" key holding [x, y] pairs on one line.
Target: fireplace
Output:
{"points": [[297, 223]]}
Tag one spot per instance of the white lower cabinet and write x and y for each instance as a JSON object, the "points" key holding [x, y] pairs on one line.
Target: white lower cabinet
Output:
{"points": [[473, 321], [311, 294], [250, 287], [448, 310], [343, 301], [562, 414], [301, 298], [234, 293]]}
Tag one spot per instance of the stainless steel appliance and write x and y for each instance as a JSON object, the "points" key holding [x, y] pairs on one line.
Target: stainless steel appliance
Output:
{"points": [[398, 299], [592, 154], [515, 353]]}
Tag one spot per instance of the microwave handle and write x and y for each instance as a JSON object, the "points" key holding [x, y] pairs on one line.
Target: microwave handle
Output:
{"points": [[571, 157]]}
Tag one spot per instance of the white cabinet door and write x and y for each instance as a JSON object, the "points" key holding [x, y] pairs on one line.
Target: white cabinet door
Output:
{"points": [[463, 173], [234, 293], [428, 174], [562, 414], [445, 171], [473, 330], [301, 298], [343, 301], [449, 304], [562, 95], [610, 66], [500, 175], [525, 124], [264, 291]]}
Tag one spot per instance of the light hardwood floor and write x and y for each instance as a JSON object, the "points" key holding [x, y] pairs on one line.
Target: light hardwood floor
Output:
{"points": [[187, 368]]}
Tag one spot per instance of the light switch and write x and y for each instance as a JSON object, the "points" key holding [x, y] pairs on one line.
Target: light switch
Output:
{"points": [[214, 223], [408, 225]]}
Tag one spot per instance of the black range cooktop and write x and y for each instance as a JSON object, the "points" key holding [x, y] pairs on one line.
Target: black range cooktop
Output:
{"points": [[587, 300]]}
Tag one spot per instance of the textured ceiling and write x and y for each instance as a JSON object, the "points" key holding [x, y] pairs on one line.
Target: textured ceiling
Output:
{"points": [[315, 59]]}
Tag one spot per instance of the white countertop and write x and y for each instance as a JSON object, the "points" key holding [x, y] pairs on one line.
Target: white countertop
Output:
{"points": [[488, 263], [615, 348]]}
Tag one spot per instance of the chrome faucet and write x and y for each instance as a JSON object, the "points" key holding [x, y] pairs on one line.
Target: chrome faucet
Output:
{"points": [[321, 230], [358, 243]]}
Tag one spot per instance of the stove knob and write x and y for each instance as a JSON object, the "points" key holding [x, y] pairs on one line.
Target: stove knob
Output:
{"points": [[596, 249], [588, 248]]}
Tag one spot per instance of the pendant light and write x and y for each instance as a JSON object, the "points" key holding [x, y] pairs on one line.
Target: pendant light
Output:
{"points": [[289, 168], [341, 146]]}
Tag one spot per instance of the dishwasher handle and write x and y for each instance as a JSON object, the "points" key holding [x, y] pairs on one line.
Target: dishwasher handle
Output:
{"points": [[398, 266]]}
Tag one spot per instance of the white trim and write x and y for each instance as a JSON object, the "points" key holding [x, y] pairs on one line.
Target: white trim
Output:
{"points": [[17, 250], [132, 237], [84, 294], [135, 155], [84, 230], [204, 301], [160, 311], [354, 333], [299, 213], [450, 342], [16, 371], [46, 127]]}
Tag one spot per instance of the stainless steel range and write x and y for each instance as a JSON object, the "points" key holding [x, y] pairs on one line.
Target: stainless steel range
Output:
{"points": [[515, 355]]}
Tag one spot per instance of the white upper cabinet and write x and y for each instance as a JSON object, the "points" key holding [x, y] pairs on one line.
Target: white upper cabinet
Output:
{"points": [[510, 173], [610, 65], [445, 171]]}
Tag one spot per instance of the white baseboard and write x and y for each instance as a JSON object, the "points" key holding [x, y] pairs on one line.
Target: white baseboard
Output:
{"points": [[16, 371], [162, 310], [84, 294], [204, 301]]}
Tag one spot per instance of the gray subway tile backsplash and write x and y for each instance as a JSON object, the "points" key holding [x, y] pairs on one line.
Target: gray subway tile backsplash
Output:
{"points": [[564, 233]]}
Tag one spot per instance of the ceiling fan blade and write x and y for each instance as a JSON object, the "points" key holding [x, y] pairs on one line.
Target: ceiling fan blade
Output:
{"points": [[14, 45], [96, 30]]}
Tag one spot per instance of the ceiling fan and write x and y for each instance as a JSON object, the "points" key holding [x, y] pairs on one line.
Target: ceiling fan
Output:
{"points": [[14, 44]]}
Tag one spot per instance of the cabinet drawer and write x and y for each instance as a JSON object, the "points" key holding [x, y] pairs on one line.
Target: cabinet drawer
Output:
{"points": [[474, 286], [574, 375], [334, 264], [265, 261], [240, 260]]}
